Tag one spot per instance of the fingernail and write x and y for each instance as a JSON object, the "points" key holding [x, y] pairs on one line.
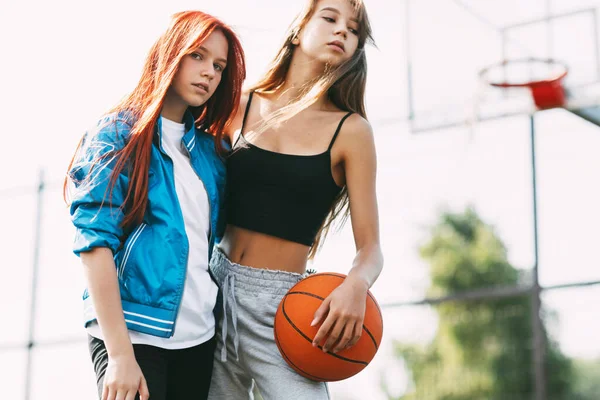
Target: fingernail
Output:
{"points": [[314, 322]]}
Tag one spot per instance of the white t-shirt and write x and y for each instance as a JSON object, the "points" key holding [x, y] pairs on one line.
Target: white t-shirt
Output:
{"points": [[195, 323]]}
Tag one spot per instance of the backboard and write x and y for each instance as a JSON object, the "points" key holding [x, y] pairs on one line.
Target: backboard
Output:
{"points": [[449, 42]]}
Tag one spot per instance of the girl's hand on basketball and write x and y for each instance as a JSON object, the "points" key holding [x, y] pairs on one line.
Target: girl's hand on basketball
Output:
{"points": [[343, 312], [124, 379]]}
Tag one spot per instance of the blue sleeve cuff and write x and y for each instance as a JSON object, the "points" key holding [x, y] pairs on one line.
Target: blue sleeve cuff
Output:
{"points": [[96, 227], [88, 239]]}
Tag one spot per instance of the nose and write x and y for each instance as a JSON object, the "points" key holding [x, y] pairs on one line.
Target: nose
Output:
{"points": [[342, 30], [208, 71]]}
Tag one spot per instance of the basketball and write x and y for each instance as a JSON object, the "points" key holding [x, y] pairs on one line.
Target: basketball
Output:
{"points": [[294, 335]]}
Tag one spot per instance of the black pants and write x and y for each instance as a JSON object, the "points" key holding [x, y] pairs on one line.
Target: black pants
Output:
{"points": [[170, 374]]}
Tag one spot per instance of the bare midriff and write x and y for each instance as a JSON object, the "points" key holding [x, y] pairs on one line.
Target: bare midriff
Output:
{"points": [[259, 250]]}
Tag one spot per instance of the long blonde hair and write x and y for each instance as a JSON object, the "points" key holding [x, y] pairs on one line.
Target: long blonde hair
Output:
{"points": [[344, 85]]}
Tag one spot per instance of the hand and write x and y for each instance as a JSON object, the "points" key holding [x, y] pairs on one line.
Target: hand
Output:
{"points": [[344, 312], [124, 379]]}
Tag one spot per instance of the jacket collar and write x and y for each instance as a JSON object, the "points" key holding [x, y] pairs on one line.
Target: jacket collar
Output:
{"points": [[188, 139]]}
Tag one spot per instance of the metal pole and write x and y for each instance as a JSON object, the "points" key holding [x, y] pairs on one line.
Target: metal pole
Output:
{"points": [[539, 345], [34, 279], [409, 80], [596, 47], [504, 55], [549, 30]]}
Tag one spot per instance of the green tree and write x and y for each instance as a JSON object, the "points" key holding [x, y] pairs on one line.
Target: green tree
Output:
{"points": [[587, 381], [482, 348]]}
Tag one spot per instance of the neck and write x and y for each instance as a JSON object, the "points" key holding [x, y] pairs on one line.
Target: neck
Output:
{"points": [[302, 71], [173, 109]]}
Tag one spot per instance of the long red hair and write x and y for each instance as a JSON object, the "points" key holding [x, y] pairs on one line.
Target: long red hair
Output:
{"points": [[186, 32]]}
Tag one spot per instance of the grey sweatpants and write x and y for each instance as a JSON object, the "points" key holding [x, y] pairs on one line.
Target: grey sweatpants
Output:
{"points": [[246, 352]]}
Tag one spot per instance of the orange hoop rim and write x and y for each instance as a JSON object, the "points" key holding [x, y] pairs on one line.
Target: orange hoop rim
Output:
{"points": [[530, 84]]}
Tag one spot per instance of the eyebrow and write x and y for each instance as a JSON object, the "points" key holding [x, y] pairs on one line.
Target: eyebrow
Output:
{"points": [[335, 10], [223, 60]]}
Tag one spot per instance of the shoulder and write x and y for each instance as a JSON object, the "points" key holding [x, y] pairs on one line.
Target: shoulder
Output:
{"points": [[112, 128], [108, 135], [239, 115], [244, 101], [203, 133], [356, 130], [358, 124], [355, 139]]}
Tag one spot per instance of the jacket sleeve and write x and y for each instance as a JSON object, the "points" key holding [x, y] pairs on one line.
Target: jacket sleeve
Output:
{"points": [[96, 211]]}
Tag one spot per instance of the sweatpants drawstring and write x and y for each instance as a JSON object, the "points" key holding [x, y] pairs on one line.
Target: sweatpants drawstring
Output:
{"points": [[229, 292]]}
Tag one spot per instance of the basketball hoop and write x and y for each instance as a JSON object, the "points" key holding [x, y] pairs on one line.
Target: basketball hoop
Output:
{"points": [[542, 76]]}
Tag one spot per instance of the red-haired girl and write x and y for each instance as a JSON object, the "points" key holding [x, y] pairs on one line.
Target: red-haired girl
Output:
{"points": [[303, 155], [146, 203]]}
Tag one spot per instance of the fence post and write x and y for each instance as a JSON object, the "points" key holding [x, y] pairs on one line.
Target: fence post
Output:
{"points": [[34, 280], [539, 343]]}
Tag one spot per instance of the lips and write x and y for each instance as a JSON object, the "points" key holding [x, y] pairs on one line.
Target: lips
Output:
{"points": [[337, 44], [203, 86]]}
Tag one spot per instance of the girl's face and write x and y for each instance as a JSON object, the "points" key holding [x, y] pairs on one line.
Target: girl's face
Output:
{"points": [[200, 72], [331, 34]]}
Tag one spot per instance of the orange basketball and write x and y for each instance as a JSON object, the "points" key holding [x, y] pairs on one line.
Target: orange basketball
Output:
{"points": [[294, 335]]}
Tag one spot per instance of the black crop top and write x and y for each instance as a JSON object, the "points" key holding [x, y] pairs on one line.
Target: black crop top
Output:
{"points": [[282, 195]]}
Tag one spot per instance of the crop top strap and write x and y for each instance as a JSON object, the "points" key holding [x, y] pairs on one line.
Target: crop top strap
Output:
{"points": [[338, 130]]}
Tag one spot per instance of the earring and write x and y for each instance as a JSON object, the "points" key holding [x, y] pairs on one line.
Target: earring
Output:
{"points": [[295, 40]]}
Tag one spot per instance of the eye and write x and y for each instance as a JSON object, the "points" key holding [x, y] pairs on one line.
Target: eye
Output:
{"points": [[219, 67], [354, 31], [196, 56], [329, 19]]}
